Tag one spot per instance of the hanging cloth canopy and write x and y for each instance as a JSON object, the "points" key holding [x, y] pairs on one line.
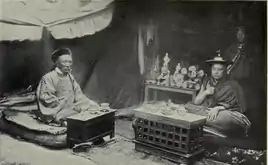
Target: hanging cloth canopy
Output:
{"points": [[25, 19]]}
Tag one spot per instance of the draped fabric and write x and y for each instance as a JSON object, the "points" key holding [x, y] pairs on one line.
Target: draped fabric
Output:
{"points": [[141, 51], [63, 18], [242, 66], [148, 47]]}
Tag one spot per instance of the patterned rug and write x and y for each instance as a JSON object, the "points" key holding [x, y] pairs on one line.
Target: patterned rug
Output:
{"points": [[238, 156]]}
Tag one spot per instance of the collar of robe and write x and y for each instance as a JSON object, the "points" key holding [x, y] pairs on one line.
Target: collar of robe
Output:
{"points": [[215, 83], [60, 72]]}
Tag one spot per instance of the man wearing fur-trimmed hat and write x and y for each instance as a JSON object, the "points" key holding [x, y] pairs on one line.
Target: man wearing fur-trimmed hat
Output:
{"points": [[58, 93]]}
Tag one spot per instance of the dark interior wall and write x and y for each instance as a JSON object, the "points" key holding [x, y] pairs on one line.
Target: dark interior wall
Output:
{"points": [[116, 76], [21, 64], [189, 31]]}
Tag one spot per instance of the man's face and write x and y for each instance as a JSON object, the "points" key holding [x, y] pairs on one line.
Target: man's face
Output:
{"points": [[64, 63], [218, 71]]}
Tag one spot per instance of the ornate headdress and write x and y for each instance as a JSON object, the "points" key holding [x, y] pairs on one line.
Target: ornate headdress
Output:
{"points": [[218, 60]]}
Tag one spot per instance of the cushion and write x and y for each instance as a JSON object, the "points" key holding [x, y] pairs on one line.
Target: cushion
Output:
{"points": [[27, 120], [25, 126]]}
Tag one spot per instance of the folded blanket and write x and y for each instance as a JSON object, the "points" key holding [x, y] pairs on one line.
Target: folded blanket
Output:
{"points": [[18, 99], [21, 103], [21, 108]]}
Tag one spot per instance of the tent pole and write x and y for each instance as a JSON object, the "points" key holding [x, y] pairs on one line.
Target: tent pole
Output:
{"points": [[47, 49]]}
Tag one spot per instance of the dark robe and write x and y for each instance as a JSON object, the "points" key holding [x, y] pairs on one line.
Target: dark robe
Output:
{"points": [[228, 94]]}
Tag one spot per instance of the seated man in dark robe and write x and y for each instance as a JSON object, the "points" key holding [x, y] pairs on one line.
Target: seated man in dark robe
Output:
{"points": [[58, 93], [222, 100]]}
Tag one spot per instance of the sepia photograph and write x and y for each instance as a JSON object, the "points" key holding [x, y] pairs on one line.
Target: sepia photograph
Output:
{"points": [[133, 82]]}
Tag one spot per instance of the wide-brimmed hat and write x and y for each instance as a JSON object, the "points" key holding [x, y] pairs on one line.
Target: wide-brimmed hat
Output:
{"points": [[59, 52], [218, 60]]}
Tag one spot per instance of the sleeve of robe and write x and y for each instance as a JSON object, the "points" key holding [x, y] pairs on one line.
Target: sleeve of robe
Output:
{"points": [[49, 104], [82, 102]]}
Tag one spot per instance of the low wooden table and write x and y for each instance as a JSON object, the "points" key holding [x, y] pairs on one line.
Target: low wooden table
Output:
{"points": [[177, 137], [157, 88], [89, 126]]}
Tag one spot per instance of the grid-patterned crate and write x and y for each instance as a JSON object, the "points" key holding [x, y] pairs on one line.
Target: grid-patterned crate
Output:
{"points": [[180, 133], [169, 136]]}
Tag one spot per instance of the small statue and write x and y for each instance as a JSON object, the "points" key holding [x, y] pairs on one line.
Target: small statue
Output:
{"points": [[166, 59], [198, 79], [192, 68], [178, 68], [154, 73], [164, 77], [178, 78], [185, 84], [197, 86], [192, 72], [172, 81], [200, 74], [184, 71]]}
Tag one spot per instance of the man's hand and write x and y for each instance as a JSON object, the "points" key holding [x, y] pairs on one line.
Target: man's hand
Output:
{"points": [[95, 105], [210, 90], [213, 113]]}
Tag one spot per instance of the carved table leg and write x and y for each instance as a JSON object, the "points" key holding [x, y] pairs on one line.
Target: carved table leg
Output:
{"points": [[112, 135], [146, 94], [155, 95]]}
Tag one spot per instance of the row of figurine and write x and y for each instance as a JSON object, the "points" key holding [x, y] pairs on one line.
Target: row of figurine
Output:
{"points": [[187, 78]]}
